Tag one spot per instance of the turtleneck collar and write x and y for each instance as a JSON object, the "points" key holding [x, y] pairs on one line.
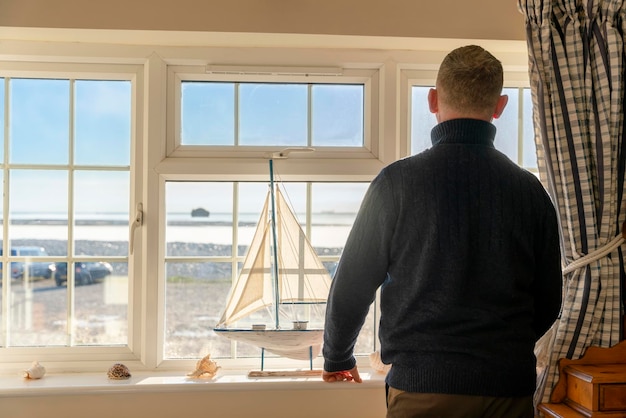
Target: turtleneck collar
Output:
{"points": [[466, 131]]}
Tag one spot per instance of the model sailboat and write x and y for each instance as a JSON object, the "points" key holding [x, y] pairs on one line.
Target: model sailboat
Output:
{"points": [[281, 273]]}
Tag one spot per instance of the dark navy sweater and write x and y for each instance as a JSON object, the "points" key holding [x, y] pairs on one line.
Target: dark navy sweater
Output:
{"points": [[464, 245]]}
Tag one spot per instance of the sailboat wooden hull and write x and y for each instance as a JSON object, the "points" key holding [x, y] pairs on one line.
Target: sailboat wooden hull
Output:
{"points": [[295, 344]]}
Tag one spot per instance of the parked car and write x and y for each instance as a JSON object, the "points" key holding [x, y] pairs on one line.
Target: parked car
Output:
{"points": [[35, 269], [84, 272], [99, 269]]}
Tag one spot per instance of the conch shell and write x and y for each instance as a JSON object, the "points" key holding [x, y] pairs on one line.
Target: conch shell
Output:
{"points": [[35, 371], [205, 368], [118, 372], [377, 363]]}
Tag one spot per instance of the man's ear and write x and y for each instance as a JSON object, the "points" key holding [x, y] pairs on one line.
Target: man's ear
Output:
{"points": [[502, 101], [433, 103]]}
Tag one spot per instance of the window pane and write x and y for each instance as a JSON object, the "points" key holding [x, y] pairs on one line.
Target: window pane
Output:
{"points": [[251, 199], [38, 310], [101, 303], [530, 151], [295, 196], [507, 134], [38, 208], [102, 122], [195, 297], [101, 202], [38, 228], [334, 208], [206, 284], [207, 113], [39, 121], [39, 202], [337, 115], [199, 218], [422, 120], [273, 114]]}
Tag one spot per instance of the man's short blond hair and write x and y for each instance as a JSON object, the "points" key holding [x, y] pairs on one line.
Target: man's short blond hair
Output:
{"points": [[470, 80]]}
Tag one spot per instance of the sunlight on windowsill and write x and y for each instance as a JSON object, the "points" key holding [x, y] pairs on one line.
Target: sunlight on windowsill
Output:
{"points": [[86, 383]]}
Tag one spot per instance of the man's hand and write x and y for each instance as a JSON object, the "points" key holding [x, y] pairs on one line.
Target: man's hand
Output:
{"points": [[351, 375]]}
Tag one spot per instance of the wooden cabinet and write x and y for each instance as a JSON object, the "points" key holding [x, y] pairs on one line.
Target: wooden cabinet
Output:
{"points": [[592, 386], [597, 387]]}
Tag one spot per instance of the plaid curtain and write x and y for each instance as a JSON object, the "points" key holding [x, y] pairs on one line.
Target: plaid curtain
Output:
{"points": [[576, 67]]}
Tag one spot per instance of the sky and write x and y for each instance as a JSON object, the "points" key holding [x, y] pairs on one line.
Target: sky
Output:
{"points": [[45, 116], [40, 127]]}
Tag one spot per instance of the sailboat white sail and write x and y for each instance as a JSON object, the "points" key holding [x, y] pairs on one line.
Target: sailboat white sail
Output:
{"points": [[281, 271]]}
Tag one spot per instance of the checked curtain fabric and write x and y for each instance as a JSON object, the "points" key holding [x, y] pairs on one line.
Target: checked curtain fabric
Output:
{"points": [[577, 64]]}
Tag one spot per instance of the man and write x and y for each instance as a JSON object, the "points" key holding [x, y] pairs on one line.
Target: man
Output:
{"points": [[464, 245]]}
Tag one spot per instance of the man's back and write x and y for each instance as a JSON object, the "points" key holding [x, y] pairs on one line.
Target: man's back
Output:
{"points": [[464, 246], [465, 254]]}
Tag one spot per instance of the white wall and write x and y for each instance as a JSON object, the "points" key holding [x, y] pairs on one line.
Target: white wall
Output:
{"points": [[484, 19]]}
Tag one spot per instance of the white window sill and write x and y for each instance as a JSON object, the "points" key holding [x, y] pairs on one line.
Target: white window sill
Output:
{"points": [[146, 382]]}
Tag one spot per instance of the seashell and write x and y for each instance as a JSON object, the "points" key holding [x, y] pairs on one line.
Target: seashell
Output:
{"points": [[205, 368], [118, 372], [377, 363], [35, 371]]}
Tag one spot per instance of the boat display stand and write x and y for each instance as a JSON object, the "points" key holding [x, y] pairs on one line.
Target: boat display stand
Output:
{"points": [[310, 372]]}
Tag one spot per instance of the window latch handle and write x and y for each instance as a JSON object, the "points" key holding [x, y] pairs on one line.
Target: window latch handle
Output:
{"points": [[137, 222]]}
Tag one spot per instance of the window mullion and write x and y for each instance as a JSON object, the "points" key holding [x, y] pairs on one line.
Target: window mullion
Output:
{"points": [[70, 220], [309, 208], [6, 289], [234, 251], [520, 127]]}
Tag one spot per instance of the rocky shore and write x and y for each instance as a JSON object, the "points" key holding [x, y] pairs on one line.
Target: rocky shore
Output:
{"points": [[105, 249], [195, 292]]}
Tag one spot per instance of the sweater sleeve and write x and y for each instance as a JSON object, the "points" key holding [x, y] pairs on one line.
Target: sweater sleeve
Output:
{"points": [[361, 270]]}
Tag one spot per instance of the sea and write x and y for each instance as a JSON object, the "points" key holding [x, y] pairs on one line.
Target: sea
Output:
{"points": [[328, 229]]}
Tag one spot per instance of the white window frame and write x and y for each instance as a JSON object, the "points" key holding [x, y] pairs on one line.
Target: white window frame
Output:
{"points": [[60, 356], [157, 157], [367, 77]]}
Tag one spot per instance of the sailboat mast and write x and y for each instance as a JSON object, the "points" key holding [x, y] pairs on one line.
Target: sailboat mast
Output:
{"points": [[275, 249]]}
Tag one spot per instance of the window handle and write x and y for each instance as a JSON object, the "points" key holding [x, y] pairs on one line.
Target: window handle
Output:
{"points": [[137, 222]]}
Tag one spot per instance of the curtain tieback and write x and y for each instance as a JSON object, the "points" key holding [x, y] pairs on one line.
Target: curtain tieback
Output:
{"points": [[597, 254]]}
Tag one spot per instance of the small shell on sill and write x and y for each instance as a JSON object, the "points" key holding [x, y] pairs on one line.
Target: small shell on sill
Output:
{"points": [[377, 364], [35, 371], [205, 368], [118, 372]]}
